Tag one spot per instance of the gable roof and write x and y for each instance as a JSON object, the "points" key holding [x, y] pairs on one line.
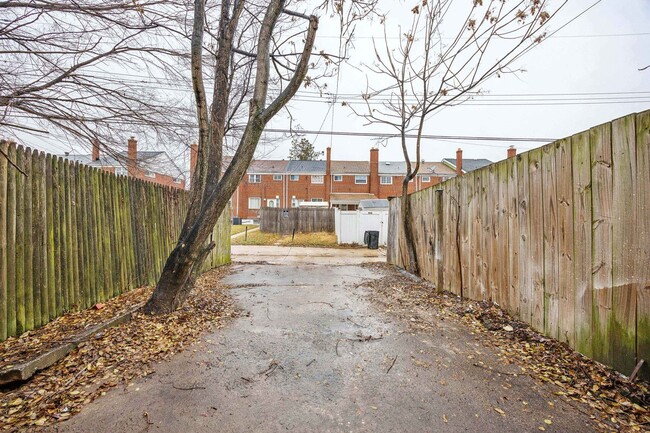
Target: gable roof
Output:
{"points": [[350, 167], [306, 167], [468, 164], [267, 166]]}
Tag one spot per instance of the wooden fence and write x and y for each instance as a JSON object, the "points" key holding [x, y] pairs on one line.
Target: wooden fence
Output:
{"points": [[72, 236], [559, 236], [300, 219]]}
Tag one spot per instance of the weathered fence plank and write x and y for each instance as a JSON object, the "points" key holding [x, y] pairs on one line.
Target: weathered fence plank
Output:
{"points": [[600, 141], [642, 233], [624, 283], [536, 218], [582, 245], [4, 171]]}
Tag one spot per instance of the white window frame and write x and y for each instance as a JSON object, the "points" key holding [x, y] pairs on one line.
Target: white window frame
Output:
{"points": [[316, 200], [254, 178], [121, 171], [338, 178], [318, 179], [382, 178], [295, 202], [252, 206], [277, 177], [358, 177], [151, 174], [294, 177], [426, 179], [178, 180]]}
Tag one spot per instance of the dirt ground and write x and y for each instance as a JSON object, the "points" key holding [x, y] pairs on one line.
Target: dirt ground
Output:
{"points": [[314, 352]]}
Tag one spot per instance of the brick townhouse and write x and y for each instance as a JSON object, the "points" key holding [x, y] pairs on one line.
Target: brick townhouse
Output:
{"points": [[151, 166], [342, 184]]}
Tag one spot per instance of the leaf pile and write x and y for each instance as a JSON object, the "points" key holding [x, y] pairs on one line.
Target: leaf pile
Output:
{"points": [[621, 404], [15, 350], [115, 357]]}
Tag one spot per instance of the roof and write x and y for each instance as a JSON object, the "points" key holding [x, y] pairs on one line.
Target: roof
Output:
{"points": [[468, 164], [268, 166], [306, 167], [155, 161], [373, 204], [350, 197], [426, 168], [350, 167]]}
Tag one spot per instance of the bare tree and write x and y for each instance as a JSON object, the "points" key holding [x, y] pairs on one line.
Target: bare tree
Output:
{"points": [[255, 55], [72, 69], [428, 70]]}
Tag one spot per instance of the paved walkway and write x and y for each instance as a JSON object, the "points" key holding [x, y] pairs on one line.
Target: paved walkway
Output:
{"points": [[305, 255], [314, 354]]}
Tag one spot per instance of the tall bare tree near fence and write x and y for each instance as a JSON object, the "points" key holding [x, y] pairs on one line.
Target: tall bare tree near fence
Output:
{"points": [[240, 34], [425, 72], [558, 236]]}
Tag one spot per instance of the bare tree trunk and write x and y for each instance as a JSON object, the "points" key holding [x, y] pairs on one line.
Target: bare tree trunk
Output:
{"points": [[211, 193], [407, 223]]}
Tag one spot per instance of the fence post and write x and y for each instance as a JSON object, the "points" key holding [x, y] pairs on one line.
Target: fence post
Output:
{"points": [[439, 224]]}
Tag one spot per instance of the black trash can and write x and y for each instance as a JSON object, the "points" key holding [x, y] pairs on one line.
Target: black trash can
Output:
{"points": [[366, 234], [373, 239], [236, 221]]}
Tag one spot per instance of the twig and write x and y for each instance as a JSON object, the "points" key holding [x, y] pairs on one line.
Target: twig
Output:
{"points": [[321, 302], [391, 365], [311, 362], [337, 347], [146, 415], [190, 388]]}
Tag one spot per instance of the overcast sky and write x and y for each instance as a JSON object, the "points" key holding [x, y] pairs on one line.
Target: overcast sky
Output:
{"points": [[587, 68], [586, 74]]}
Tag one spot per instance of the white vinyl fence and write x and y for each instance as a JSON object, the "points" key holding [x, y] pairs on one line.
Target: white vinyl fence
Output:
{"points": [[351, 225]]}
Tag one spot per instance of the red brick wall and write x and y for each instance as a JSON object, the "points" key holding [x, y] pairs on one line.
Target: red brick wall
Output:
{"points": [[348, 185]]}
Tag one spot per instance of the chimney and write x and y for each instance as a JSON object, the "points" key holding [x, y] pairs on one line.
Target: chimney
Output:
{"points": [[512, 152], [132, 155], [194, 154], [459, 161], [374, 172], [328, 174], [95, 155]]}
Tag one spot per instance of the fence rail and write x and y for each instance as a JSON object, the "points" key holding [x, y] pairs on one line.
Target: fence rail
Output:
{"points": [[72, 236], [559, 236], [301, 219]]}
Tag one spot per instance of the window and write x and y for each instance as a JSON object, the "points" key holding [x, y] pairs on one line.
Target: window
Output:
{"points": [[121, 171], [316, 200], [386, 180], [177, 180], [338, 178], [317, 179], [294, 202], [254, 178], [277, 177], [150, 174], [426, 178], [294, 178], [361, 179], [254, 202]]}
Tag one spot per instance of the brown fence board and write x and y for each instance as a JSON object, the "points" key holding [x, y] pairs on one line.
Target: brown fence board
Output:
{"points": [[4, 171], [302, 220], [624, 282]]}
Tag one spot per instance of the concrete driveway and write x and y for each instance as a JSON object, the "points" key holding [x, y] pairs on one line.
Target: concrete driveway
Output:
{"points": [[315, 354]]}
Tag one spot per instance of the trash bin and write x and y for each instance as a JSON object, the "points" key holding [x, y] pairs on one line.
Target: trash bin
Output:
{"points": [[373, 239], [236, 221], [365, 237]]}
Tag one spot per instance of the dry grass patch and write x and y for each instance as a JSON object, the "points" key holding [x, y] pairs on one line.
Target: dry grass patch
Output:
{"points": [[241, 228], [321, 239]]}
